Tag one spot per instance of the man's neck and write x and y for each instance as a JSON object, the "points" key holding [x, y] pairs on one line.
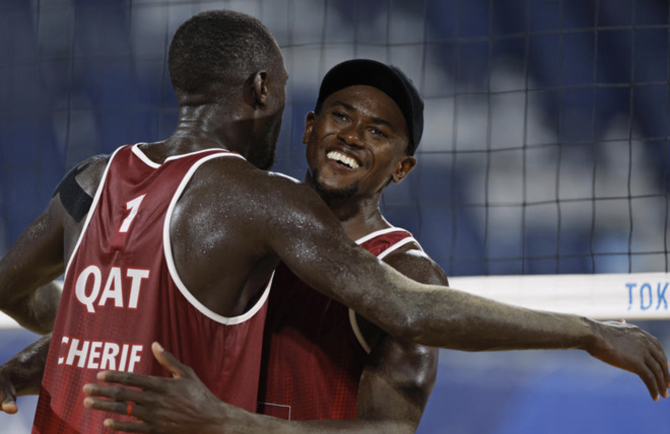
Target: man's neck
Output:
{"points": [[206, 127], [359, 216]]}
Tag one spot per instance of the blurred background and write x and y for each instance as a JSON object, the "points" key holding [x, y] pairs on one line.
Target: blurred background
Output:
{"points": [[545, 151]]}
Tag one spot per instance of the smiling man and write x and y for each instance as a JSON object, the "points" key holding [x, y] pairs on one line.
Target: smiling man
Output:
{"points": [[321, 360]]}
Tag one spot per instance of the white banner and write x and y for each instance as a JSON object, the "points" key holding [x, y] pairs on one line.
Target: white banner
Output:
{"points": [[641, 296]]}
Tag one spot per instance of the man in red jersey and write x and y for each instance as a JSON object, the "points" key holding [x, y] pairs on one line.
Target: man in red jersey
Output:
{"points": [[320, 360], [126, 226], [225, 225]]}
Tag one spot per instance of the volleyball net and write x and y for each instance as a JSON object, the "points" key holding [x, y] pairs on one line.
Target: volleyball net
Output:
{"points": [[543, 170]]}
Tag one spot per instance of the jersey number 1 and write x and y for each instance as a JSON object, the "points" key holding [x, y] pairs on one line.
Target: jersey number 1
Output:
{"points": [[133, 206]]}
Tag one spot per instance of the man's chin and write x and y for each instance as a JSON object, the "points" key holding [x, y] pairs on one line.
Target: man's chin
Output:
{"points": [[336, 193], [328, 191]]}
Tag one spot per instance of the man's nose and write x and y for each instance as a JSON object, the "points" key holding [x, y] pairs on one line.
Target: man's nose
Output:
{"points": [[352, 135]]}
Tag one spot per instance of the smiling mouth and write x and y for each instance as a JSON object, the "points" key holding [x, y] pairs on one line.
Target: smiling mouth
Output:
{"points": [[343, 159]]}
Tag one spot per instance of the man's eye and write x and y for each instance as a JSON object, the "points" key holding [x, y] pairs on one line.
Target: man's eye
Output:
{"points": [[377, 132]]}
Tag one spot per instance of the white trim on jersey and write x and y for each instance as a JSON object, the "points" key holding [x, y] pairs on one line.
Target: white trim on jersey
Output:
{"points": [[283, 175], [352, 315], [149, 162], [378, 233], [167, 251], [91, 211], [142, 156]]}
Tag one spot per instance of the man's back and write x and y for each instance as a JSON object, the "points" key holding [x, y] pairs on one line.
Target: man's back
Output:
{"points": [[213, 233], [122, 292]]}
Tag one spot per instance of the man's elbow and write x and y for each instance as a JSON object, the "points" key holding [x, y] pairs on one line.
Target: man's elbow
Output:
{"points": [[35, 311]]}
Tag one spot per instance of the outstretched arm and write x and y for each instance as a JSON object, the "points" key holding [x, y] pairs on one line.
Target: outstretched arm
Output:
{"points": [[329, 262], [284, 220]]}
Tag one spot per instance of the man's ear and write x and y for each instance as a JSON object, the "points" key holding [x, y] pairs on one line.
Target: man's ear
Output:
{"points": [[259, 89], [309, 125], [403, 167]]}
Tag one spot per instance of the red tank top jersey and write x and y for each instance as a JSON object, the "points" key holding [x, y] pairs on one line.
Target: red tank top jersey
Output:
{"points": [[313, 352], [122, 292]]}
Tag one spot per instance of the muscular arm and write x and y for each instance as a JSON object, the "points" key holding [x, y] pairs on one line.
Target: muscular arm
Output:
{"points": [[27, 291], [27, 271], [310, 243], [400, 375]]}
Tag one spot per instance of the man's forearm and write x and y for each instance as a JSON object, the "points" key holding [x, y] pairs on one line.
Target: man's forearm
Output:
{"points": [[439, 316], [25, 370], [461, 321], [478, 324], [435, 315]]}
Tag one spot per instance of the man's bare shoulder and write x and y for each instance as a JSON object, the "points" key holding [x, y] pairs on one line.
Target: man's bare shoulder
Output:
{"points": [[240, 174], [91, 172], [87, 175], [255, 190], [242, 205], [417, 265], [74, 194]]}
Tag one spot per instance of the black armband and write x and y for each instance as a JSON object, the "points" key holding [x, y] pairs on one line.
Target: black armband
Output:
{"points": [[74, 199]]}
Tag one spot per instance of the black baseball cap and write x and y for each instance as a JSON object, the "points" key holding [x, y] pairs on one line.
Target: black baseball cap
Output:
{"points": [[387, 78]]}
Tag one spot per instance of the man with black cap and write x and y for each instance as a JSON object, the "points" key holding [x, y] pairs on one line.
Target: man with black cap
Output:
{"points": [[321, 360]]}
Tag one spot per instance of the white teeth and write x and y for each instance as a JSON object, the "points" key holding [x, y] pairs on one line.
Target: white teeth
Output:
{"points": [[341, 158]]}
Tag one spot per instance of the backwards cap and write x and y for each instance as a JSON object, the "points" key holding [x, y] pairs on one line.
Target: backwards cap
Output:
{"points": [[387, 78]]}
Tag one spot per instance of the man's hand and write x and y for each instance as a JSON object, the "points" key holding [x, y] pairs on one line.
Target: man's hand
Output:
{"points": [[7, 393], [178, 405], [628, 347], [22, 374]]}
